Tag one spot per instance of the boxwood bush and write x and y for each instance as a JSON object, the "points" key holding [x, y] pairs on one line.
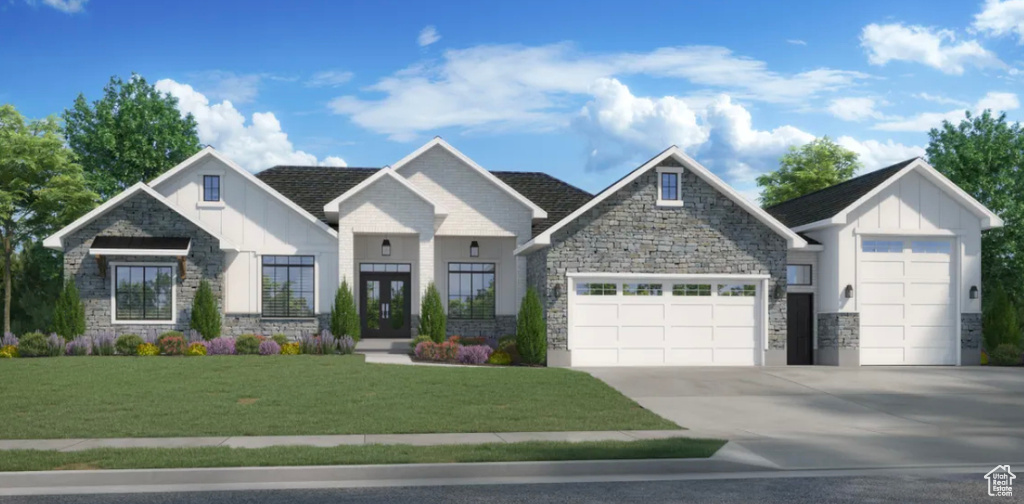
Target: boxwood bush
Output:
{"points": [[128, 344], [248, 344], [33, 345]]}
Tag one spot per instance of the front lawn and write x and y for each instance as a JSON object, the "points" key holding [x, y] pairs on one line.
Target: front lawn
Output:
{"points": [[102, 397], [149, 458]]}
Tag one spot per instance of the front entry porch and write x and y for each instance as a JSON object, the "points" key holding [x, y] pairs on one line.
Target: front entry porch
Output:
{"points": [[385, 301]]}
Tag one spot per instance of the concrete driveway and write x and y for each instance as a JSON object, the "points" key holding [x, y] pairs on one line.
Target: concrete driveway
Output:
{"points": [[808, 417]]}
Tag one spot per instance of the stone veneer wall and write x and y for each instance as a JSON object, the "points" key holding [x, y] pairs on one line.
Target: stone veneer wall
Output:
{"points": [[628, 232], [970, 339], [236, 324], [497, 327], [141, 215], [838, 339]]}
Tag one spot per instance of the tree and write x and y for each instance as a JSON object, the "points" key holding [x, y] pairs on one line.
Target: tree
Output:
{"points": [[984, 155], [433, 321], [133, 134], [805, 169], [41, 187], [999, 325], [344, 319], [40, 270], [531, 330], [205, 317], [69, 313]]}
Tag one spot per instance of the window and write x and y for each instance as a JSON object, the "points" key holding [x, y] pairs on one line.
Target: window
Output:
{"points": [[288, 286], [670, 186], [798, 274], [144, 293], [384, 268], [737, 290], [881, 246], [211, 187], [596, 289], [641, 289], [929, 247], [691, 290], [471, 290]]}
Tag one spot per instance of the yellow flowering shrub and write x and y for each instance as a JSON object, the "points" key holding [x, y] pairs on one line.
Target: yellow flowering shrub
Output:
{"points": [[148, 349], [8, 352], [196, 350], [290, 348]]}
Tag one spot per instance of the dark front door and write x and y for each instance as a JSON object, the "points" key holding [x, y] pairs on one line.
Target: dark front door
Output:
{"points": [[800, 327], [384, 305]]}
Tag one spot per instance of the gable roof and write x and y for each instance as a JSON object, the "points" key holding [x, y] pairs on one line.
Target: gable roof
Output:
{"points": [[538, 212], [556, 197], [544, 239], [330, 209], [312, 187], [55, 241], [211, 152], [833, 205]]}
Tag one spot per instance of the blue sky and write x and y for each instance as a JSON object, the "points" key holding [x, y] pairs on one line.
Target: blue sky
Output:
{"points": [[583, 91]]}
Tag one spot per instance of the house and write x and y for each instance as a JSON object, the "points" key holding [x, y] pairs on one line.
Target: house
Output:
{"points": [[668, 266]]}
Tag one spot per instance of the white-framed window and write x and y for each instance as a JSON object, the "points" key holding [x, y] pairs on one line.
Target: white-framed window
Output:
{"points": [[670, 191], [881, 246], [289, 286], [143, 293], [798, 274], [471, 290], [737, 290], [929, 247], [211, 188], [596, 289], [641, 289], [691, 289]]}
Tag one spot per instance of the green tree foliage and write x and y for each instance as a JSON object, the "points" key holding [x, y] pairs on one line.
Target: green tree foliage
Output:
{"points": [[40, 269], [433, 321], [999, 321], [805, 169], [344, 318], [133, 134], [41, 188], [984, 155], [205, 316], [69, 313], [531, 330]]}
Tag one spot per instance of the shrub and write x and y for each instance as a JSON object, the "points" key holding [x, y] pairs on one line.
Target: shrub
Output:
{"points": [[324, 344], [69, 312], [474, 354], [55, 345], [506, 340], [531, 331], [433, 321], [441, 352], [8, 352], [193, 336], [205, 317], [128, 344], [172, 345], [426, 350], [269, 347], [221, 346], [999, 325], [9, 340], [290, 348], [196, 349], [103, 344], [281, 339], [475, 341], [148, 350], [33, 345], [328, 343], [346, 345], [344, 317], [499, 358], [417, 340], [248, 344], [1005, 355], [78, 347], [169, 334]]}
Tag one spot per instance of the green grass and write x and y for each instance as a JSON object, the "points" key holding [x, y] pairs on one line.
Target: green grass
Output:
{"points": [[149, 458], [69, 397]]}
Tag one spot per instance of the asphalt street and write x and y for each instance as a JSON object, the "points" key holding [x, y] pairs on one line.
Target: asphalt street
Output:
{"points": [[934, 488]]}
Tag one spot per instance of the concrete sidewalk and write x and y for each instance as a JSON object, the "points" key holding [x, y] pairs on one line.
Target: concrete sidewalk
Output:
{"points": [[67, 445]]}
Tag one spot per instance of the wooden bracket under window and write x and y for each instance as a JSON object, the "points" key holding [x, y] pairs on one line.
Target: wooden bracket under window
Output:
{"points": [[101, 263], [181, 267]]}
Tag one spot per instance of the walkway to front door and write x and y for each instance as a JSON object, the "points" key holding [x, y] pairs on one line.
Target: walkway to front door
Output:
{"points": [[385, 305]]}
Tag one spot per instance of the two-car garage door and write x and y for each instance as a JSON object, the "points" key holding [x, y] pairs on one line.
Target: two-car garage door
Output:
{"points": [[651, 321]]}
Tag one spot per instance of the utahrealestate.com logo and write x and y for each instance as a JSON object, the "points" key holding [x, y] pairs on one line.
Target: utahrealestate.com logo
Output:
{"points": [[1000, 481]]}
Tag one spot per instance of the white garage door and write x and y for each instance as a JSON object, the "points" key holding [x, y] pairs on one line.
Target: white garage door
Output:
{"points": [[656, 322], [907, 302]]}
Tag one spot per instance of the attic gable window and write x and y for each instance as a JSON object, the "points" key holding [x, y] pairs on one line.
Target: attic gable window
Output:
{"points": [[211, 187], [669, 190]]}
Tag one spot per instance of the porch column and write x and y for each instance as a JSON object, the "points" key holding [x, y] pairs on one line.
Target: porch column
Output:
{"points": [[426, 267], [346, 257]]}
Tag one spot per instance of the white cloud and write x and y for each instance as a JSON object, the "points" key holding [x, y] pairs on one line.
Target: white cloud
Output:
{"points": [[428, 35], [330, 78], [333, 161], [223, 85], [935, 48], [1001, 17], [941, 99], [66, 6], [854, 108], [874, 154], [521, 86], [255, 146], [996, 101], [796, 42]]}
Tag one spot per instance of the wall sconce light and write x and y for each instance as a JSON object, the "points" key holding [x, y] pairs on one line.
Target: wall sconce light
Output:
{"points": [[557, 290], [474, 249], [974, 292], [385, 248], [779, 291], [848, 292]]}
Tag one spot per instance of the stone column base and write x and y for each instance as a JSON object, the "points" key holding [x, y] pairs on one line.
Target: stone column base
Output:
{"points": [[559, 357], [846, 357]]}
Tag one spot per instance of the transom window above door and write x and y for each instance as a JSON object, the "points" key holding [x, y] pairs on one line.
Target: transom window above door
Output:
{"points": [[384, 268]]}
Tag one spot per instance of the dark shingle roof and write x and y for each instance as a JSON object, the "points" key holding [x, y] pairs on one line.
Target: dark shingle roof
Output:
{"points": [[823, 204], [312, 187]]}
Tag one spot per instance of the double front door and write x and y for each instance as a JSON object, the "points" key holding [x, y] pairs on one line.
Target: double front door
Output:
{"points": [[385, 304]]}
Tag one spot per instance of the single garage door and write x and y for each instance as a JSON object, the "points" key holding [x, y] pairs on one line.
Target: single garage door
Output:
{"points": [[907, 301], [655, 322]]}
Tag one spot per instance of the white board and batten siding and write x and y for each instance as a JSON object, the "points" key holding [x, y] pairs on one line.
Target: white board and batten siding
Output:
{"points": [[259, 224], [674, 321]]}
